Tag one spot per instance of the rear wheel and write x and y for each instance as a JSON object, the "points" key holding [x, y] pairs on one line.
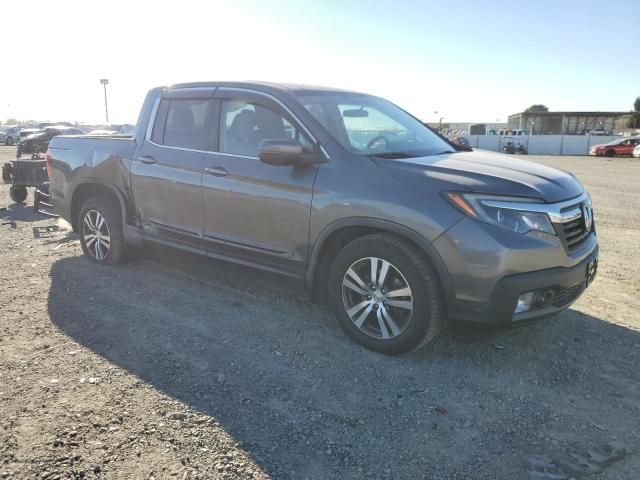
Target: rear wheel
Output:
{"points": [[386, 295], [9, 141], [18, 194], [100, 229]]}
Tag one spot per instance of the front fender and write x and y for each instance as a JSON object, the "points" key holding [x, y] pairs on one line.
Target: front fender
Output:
{"points": [[385, 225]]}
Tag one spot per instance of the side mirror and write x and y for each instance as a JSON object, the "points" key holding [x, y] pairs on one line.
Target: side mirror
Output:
{"points": [[284, 152]]}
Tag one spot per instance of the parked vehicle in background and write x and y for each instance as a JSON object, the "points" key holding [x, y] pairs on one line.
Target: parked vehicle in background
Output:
{"points": [[101, 131], [459, 140], [25, 132], [622, 146], [120, 129], [394, 225], [512, 132], [512, 145], [126, 129], [9, 135], [39, 142], [636, 151], [598, 132]]}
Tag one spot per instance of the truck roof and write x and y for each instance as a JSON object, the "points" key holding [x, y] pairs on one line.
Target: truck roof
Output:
{"points": [[261, 86]]}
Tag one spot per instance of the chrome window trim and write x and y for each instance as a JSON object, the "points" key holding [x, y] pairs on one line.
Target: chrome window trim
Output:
{"points": [[152, 119], [191, 89], [152, 122], [554, 210], [279, 102], [179, 148], [156, 105], [234, 155]]}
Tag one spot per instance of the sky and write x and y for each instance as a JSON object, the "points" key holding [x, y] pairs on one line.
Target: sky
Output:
{"points": [[468, 60]]}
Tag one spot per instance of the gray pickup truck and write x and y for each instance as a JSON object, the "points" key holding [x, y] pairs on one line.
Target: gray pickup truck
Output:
{"points": [[374, 212]]}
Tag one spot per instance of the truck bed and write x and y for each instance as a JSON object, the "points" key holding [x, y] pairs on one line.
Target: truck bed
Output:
{"points": [[80, 158]]}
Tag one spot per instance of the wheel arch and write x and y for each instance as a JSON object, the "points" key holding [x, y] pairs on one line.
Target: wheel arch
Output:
{"points": [[337, 234], [90, 187]]}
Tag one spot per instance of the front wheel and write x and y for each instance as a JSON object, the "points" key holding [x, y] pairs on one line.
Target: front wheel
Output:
{"points": [[9, 141], [100, 229], [611, 153], [386, 295]]}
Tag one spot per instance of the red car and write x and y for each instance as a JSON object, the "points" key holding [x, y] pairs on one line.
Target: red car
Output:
{"points": [[623, 146]]}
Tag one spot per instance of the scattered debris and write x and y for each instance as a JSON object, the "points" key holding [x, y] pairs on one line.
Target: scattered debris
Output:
{"points": [[47, 231], [229, 339], [574, 464]]}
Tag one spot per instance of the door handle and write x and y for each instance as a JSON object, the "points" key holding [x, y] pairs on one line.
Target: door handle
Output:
{"points": [[217, 171], [146, 159]]}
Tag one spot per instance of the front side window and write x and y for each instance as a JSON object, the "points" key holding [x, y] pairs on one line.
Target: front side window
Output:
{"points": [[182, 123], [243, 125], [367, 125]]}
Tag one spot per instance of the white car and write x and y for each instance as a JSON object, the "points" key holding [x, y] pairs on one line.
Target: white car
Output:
{"points": [[636, 151]]}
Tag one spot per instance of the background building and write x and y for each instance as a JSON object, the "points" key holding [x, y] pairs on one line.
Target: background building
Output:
{"points": [[569, 123]]}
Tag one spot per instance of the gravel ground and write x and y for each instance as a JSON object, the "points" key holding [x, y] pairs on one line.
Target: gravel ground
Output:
{"points": [[177, 367]]}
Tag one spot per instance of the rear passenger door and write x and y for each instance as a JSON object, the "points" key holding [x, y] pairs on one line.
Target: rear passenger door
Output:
{"points": [[166, 173]]}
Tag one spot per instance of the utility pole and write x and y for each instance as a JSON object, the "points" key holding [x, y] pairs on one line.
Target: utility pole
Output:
{"points": [[104, 83]]}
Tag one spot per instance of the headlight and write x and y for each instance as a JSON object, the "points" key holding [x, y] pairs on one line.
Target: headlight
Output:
{"points": [[480, 207]]}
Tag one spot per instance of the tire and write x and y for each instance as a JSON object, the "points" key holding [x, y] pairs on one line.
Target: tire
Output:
{"points": [[610, 153], [8, 141], [99, 250], [414, 327], [18, 194]]}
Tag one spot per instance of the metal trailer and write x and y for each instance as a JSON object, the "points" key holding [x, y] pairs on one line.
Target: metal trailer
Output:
{"points": [[22, 174]]}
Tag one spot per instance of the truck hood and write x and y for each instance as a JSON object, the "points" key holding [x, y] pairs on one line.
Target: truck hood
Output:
{"points": [[494, 173]]}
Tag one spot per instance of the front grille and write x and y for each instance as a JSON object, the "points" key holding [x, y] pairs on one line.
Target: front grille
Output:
{"points": [[575, 232]]}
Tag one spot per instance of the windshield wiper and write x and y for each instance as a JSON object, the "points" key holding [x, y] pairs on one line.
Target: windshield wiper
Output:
{"points": [[393, 155], [445, 152]]}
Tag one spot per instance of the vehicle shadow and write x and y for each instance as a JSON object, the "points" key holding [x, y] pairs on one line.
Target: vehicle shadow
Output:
{"points": [[20, 212], [279, 376]]}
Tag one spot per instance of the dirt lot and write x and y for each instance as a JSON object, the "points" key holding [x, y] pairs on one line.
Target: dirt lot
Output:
{"points": [[177, 367]]}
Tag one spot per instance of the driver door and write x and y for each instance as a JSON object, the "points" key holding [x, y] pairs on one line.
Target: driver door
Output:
{"points": [[254, 211]]}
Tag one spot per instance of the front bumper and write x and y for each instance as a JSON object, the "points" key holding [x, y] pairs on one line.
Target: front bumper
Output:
{"points": [[567, 282]]}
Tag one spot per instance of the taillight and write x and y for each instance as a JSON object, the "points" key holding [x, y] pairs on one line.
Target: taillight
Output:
{"points": [[47, 159]]}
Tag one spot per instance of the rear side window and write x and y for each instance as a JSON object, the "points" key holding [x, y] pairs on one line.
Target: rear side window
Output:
{"points": [[181, 123]]}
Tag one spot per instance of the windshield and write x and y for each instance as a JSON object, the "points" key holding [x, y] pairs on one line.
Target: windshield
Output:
{"points": [[367, 125]]}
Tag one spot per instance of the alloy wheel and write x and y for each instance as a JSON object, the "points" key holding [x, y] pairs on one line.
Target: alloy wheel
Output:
{"points": [[95, 232], [377, 298]]}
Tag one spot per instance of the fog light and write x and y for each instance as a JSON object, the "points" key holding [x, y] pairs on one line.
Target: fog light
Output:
{"points": [[525, 302]]}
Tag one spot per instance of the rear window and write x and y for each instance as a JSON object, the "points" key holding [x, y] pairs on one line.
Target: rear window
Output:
{"points": [[181, 123]]}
